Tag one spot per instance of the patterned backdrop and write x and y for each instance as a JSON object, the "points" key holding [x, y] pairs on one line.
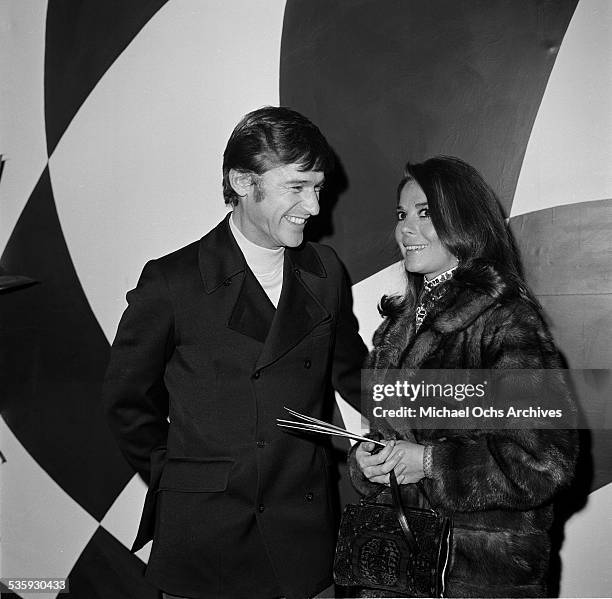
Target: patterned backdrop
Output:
{"points": [[113, 118]]}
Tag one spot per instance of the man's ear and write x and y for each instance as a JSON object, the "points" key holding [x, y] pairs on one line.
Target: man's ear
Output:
{"points": [[240, 181]]}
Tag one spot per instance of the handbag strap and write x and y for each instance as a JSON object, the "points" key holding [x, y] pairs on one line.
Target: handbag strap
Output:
{"points": [[401, 515]]}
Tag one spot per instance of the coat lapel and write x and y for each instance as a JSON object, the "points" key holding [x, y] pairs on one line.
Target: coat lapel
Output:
{"points": [[253, 311], [299, 310], [219, 257], [455, 311], [222, 266]]}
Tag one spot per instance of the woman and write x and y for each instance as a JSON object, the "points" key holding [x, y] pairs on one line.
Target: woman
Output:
{"points": [[466, 306]]}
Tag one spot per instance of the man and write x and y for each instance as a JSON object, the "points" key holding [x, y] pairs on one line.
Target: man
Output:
{"points": [[217, 338]]}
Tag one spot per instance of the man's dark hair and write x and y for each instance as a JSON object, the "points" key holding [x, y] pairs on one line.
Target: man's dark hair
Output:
{"points": [[270, 137]]}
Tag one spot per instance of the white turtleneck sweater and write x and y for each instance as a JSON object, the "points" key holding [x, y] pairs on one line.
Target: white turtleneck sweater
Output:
{"points": [[266, 264]]}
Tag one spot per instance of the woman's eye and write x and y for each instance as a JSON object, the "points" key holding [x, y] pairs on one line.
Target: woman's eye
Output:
{"points": [[401, 215], [424, 212]]}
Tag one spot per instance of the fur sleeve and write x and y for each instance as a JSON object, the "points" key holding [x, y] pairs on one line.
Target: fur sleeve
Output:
{"points": [[519, 469], [508, 469]]}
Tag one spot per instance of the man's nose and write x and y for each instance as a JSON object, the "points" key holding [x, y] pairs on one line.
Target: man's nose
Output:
{"points": [[311, 202]]}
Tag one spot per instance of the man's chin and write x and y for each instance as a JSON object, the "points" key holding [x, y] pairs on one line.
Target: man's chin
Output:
{"points": [[293, 241]]}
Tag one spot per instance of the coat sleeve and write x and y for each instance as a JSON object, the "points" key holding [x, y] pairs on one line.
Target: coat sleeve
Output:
{"points": [[514, 468], [135, 397], [350, 351]]}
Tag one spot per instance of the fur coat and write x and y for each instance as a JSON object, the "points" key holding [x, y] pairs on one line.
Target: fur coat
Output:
{"points": [[497, 486]]}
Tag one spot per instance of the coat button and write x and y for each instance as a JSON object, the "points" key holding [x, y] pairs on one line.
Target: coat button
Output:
{"points": [[261, 507], [298, 272], [309, 496], [307, 363], [257, 374], [261, 443]]}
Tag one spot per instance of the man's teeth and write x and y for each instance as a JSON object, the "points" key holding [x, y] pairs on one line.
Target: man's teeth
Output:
{"points": [[296, 220], [415, 248]]}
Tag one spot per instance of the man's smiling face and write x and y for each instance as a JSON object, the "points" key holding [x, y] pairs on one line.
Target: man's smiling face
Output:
{"points": [[277, 205]]}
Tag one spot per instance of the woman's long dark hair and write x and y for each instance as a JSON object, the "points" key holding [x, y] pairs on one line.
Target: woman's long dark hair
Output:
{"points": [[469, 221]]}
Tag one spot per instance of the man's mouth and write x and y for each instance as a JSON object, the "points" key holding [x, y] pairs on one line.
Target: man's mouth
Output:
{"points": [[415, 247], [296, 220]]}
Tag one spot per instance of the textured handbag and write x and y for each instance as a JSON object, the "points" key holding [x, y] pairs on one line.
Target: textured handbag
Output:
{"points": [[391, 548]]}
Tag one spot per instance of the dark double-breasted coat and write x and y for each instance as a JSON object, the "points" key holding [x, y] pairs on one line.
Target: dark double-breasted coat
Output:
{"points": [[200, 369]]}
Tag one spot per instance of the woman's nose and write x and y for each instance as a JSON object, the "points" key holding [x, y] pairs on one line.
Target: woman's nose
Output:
{"points": [[408, 226]]}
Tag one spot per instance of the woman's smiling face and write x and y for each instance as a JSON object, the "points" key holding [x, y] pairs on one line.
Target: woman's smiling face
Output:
{"points": [[416, 236]]}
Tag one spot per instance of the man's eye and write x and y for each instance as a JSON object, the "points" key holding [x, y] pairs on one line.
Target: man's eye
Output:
{"points": [[401, 215], [297, 188]]}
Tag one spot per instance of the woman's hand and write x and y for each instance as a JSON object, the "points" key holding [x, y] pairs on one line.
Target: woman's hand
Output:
{"points": [[408, 460], [404, 457], [376, 467]]}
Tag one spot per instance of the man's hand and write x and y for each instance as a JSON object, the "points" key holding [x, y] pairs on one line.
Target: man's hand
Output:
{"points": [[404, 457]]}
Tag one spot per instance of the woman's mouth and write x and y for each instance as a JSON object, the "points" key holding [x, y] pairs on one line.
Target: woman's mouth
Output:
{"points": [[415, 247]]}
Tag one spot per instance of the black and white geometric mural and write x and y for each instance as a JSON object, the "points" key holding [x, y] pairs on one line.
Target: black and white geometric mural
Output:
{"points": [[113, 119]]}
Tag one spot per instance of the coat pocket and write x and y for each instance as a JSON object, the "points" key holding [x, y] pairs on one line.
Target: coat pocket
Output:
{"points": [[196, 475], [146, 528]]}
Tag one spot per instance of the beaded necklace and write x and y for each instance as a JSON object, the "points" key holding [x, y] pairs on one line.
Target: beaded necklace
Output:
{"points": [[432, 291]]}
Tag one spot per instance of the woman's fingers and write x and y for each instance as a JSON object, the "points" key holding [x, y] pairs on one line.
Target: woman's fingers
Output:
{"points": [[380, 480], [366, 459], [400, 468], [397, 456], [366, 446], [376, 470], [404, 457], [383, 454]]}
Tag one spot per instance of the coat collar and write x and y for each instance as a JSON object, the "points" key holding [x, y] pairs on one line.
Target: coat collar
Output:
{"points": [[299, 312], [469, 294], [398, 345], [220, 258], [457, 309], [251, 313]]}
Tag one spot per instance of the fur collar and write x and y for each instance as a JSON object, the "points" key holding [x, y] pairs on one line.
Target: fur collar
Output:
{"points": [[468, 295], [458, 309]]}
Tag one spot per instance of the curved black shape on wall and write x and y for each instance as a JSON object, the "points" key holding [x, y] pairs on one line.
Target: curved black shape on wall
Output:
{"points": [[52, 361], [391, 81], [83, 38]]}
